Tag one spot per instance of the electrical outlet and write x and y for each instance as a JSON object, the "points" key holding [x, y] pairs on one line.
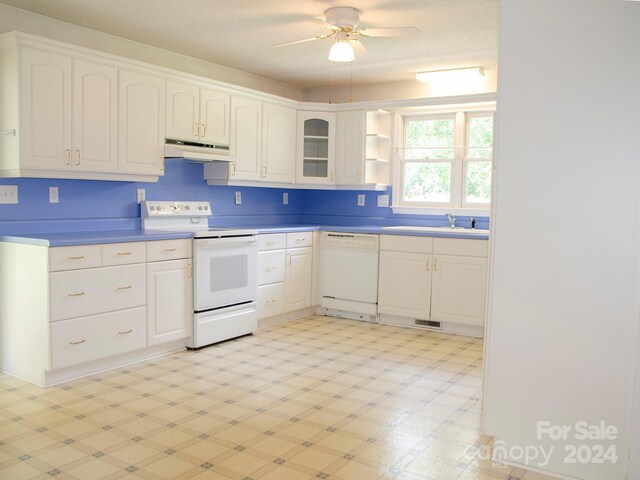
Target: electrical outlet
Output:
{"points": [[8, 194], [142, 194], [383, 200], [361, 199], [285, 198], [238, 198], [53, 195]]}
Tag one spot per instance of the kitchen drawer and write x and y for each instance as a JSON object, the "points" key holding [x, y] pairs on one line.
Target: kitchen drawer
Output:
{"points": [[159, 250], [270, 300], [461, 246], [123, 253], [406, 243], [89, 338], [299, 239], [270, 267], [79, 293], [75, 257], [274, 241]]}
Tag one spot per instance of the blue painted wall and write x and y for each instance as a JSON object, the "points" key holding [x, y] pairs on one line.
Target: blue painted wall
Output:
{"points": [[100, 205]]}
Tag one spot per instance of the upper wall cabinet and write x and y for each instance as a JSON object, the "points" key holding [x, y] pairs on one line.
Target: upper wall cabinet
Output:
{"points": [[197, 114], [246, 128], [69, 117], [141, 123], [363, 148], [315, 153], [278, 143]]}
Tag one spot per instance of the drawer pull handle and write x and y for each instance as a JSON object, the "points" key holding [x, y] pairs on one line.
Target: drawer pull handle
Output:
{"points": [[169, 249], [271, 301], [269, 268], [126, 332], [124, 253], [270, 242], [435, 265], [299, 239], [125, 288], [77, 343], [76, 258], [79, 294]]}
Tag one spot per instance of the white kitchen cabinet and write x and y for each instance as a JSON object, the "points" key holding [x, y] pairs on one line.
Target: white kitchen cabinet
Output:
{"points": [[278, 143], [315, 151], [95, 117], [363, 147], [141, 122], [246, 124], [71, 311], [197, 114], [459, 289], [45, 109], [271, 274], [298, 278], [169, 300], [76, 117], [437, 279], [350, 147], [405, 284]]}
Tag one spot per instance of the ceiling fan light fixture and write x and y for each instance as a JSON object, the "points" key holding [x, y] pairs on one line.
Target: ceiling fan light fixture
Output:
{"points": [[454, 74], [342, 51]]}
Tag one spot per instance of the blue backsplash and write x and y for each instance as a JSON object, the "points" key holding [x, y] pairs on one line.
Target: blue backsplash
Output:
{"points": [[99, 205]]}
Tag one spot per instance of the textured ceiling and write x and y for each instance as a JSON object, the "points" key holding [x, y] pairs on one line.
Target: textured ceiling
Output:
{"points": [[239, 33]]}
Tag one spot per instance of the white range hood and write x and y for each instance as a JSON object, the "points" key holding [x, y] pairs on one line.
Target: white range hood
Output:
{"points": [[196, 152]]}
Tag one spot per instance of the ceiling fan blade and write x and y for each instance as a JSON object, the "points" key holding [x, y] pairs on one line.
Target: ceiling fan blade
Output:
{"points": [[296, 42], [389, 32]]}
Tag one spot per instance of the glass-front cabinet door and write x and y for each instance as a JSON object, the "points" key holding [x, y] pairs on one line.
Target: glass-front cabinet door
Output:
{"points": [[316, 148]]}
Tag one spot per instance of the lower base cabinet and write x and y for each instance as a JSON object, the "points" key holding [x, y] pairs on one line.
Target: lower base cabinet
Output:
{"points": [[169, 300], [298, 278], [437, 279]]}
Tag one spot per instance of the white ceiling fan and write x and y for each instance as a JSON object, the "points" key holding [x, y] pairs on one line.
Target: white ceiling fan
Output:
{"points": [[342, 23]]}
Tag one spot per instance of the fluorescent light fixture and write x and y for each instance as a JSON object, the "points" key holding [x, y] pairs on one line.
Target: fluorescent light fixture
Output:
{"points": [[454, 74], [342, 51]]}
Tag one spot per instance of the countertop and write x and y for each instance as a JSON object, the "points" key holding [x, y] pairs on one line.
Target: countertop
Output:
{"points": [[61, 239]]}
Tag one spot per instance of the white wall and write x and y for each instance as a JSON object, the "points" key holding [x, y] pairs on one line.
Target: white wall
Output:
{"points": [[563, 315], [409, 89], [12, 18]]}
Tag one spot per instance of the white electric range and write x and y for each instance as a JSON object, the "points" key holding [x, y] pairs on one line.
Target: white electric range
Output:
{"points": [[224, 274]]}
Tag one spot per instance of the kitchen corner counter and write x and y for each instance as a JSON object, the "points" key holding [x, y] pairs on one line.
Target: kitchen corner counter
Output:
{"points": [[63, 239]]}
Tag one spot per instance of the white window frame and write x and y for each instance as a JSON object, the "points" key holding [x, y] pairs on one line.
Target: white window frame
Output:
{"points": [[458, 202]]}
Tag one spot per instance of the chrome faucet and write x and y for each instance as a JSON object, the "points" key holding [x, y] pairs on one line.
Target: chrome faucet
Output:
{"points": [[452, 220]]}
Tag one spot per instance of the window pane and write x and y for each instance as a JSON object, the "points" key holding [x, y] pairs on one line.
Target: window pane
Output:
{"points": [[430, 139], [427, 182], [478, 182], [480, 137]]}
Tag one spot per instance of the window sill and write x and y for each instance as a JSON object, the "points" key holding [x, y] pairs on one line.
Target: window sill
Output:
{"points": [[463, 212]]}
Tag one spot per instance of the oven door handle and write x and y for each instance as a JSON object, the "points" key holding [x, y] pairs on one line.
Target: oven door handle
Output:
{"points": [[207, 243]]}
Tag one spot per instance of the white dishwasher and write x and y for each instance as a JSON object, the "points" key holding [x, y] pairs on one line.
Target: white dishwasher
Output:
{"points": [[350, 275]]}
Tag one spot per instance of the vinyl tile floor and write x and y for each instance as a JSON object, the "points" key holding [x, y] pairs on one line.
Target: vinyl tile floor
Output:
{"points": [[314, 398]]}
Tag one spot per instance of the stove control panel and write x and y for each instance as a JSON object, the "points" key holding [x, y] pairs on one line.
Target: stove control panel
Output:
{"points": [[175, 209]]}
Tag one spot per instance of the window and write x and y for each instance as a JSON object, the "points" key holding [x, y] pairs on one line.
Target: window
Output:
{"points": [[446, 160]]}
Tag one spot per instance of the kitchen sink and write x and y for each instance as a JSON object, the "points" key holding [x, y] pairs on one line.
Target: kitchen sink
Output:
{"points": [[459, 230]]}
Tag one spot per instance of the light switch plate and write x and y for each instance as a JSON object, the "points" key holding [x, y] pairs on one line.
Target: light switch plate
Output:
{"points": [[285, 198], [53, 195], [383, 200], [142, 194], [8, 194], [238, 198], [361, 199]]}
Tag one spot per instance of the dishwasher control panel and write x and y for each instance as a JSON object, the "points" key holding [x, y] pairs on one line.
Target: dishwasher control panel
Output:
{"points": [[351, 241]]}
